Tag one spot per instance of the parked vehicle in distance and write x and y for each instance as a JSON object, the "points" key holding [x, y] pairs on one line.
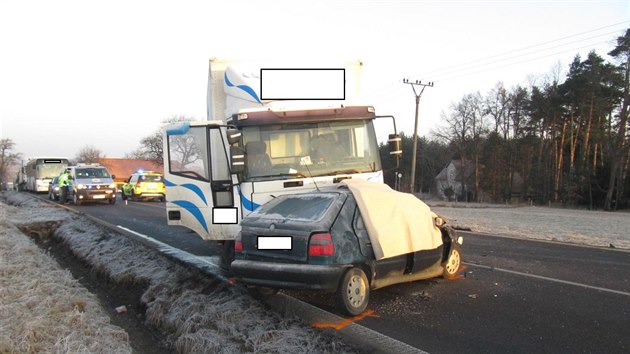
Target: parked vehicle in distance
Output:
{"points": [[39, 171], [91, 183], [53, 188], [144, 185], [319, 240]]}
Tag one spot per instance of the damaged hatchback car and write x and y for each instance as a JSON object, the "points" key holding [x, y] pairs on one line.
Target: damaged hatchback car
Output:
{"points": [[351, 240]]}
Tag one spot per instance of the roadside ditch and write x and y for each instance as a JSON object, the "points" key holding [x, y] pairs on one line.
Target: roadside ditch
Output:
{"points": [[164, 306]]}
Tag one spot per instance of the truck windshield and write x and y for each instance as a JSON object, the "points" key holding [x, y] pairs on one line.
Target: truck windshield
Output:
{"points": [[50, 170], [313, 149]]}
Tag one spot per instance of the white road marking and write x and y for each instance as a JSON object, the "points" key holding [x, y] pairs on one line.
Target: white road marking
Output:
{"points": [[618, 292]]}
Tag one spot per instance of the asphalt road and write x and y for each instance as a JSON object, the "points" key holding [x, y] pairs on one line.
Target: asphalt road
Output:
{"points": [[515, 295]]}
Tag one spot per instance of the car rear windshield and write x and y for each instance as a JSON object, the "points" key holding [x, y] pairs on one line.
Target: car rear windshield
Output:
{"points": [[145, 178], [302, 207]]}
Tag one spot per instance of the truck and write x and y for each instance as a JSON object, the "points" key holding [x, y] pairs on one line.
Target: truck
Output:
{"points": [[251, 149]]}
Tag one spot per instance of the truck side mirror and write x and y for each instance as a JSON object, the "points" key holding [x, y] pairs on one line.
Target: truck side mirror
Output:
{"points": [[234, 136], [394, 146], [237, 159]]}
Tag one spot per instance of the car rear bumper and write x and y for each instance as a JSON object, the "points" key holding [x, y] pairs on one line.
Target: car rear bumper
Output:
{"points": [[149, 195], [288, 275]]}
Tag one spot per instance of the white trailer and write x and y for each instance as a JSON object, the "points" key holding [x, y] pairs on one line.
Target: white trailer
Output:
{"points": [[251, 150]]}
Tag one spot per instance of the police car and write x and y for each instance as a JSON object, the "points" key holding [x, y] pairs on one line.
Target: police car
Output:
{"points": [[144, 185]]}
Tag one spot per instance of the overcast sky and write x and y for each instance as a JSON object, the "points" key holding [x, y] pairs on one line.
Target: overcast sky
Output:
{"points": [[76, 73]]}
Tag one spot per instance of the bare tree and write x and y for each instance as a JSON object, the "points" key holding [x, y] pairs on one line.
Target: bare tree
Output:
{"points": [[464, 128], [7, 159], [88, 154], [151, 146]]}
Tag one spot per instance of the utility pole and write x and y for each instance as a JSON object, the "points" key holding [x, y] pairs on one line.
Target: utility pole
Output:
{"points": [[415, 129]]}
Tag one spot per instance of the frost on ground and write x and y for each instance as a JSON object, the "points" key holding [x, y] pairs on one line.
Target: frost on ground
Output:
{"points": [[595, 228], [195, 313], [42, 307]]}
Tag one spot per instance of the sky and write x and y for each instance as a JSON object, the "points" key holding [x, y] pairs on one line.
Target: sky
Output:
{"points": [[106, 74]]}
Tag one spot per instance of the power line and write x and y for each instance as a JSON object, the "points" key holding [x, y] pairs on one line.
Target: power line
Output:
{"points": [[529, 47], [520, 55], [447, 78]]}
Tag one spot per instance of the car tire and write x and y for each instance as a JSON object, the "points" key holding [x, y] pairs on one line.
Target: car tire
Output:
{"points": [[112, 201], [76, 200], [453, 263], [353, 293]]}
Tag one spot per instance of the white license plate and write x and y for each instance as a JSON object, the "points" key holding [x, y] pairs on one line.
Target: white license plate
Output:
{"points": [[275, 242], [99, 197]]}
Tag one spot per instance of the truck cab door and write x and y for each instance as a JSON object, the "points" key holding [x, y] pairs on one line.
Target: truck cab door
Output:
{"points": [[199, 188]]}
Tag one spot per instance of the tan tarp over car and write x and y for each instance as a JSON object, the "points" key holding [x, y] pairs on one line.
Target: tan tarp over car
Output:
{"points": [[397, 223]]}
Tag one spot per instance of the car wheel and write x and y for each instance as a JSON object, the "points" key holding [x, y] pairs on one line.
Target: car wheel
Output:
{"points": [[353, 293], [113, 200], [453, 263], [76, 200]]}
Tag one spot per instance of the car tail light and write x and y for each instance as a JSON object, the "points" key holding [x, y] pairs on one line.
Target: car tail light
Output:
{"points": [[138, 185], [321, 245], [238, 244]]}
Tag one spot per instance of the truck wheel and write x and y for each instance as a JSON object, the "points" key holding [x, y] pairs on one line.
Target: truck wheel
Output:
{"points": [[261, 293], [228, 255], [353, 293], [453, 263]]}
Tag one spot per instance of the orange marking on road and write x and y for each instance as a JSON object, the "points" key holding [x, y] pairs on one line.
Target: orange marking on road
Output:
{"points": [[458, 276], [346, 322]]}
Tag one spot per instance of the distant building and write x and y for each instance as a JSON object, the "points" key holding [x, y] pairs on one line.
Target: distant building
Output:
{"points": [[450, 181], [123, 168]]}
